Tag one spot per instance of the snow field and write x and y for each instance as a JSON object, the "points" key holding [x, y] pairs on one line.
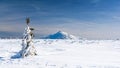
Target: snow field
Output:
{"points": [[62, 54]]}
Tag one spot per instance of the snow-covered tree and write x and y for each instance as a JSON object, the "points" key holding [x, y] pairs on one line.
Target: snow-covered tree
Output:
{"points": [[27, 42]]}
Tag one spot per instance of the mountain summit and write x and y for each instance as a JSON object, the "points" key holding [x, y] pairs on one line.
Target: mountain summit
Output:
{"points": [[60, 35]]}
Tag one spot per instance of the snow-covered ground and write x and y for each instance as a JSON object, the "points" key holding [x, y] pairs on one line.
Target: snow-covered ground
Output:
{"points": [[62, 54]]}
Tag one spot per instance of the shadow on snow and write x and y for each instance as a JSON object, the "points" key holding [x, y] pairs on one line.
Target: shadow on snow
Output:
{"points": [[17, 55]]}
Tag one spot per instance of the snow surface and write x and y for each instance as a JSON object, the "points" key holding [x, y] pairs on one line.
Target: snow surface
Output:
{"points": [[62, 54]]}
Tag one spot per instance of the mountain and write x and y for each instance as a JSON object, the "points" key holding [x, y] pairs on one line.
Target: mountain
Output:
{"points": [[60, 35]]}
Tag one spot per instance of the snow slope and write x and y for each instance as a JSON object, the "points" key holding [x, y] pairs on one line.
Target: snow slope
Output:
{"points": [[60, 35], [62, 54]]}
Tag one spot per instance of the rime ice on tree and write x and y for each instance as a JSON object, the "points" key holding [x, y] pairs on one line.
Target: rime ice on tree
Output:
{"points": [[27, 43]]}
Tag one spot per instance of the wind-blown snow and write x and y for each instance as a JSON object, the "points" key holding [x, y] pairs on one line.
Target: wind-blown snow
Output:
{"points": [[62, 54], [60, 35]]}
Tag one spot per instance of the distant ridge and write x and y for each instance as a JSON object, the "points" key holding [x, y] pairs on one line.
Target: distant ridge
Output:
{"points": [[60, 35]]}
